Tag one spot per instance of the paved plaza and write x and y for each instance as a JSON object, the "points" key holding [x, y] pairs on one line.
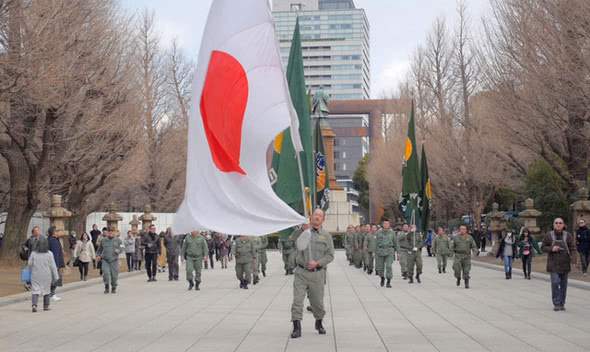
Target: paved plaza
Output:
{"points": [[495, 315]]}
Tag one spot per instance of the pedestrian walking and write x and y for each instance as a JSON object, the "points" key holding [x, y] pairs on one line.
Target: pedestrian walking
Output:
{"points": [[262, 257], [287, 247], [462, 247], [506, 251], [428, 242], [245, 255], [359, 238], [151, 243], [348, 239], [43, 273], [210, 251], [526, 251], [94, 235], [402, 246], [194, 251], [224, 252], [173, 246], [255, 276], [84, 253], [315, 250], [138, 255], [559, 245], [58, 255], [441, 249], [583, 244], [484, 237], [369, 245], [413, 246], [28, 247], [108, 253], [163, 255], [129, 244], [385, 244], [72, 240]]}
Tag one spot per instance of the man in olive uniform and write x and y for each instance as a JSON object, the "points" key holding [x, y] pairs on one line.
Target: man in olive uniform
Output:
{"points": [[194, 251], [441, 249], [245, 256], [357, 247], [385, 247], [262, 258], [287, 247], [312, 260], [402, 247], [414, 243], [369, 246], [348, 239], [255, 271], [108, 253], [461, 246]]}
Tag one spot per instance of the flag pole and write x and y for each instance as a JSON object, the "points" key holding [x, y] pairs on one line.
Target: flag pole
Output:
{"points": [[306, 210]]}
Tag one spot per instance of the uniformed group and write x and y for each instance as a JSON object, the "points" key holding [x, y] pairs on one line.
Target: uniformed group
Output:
{"points": [[374, 249]]}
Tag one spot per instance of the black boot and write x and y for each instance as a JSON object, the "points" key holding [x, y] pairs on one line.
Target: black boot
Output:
{"points": [[458, 282], [439, 270], [382, 281], [286, 272], [404, 276], [264, 273], [319, 327], [34, 308], [507, 277], [444, 269], [191, 284], [370, 271], [418, 278], [466, 283], [197, 283], [245, 285], [410, 280], [296, 329], [388, 283], [106, 289], [114, 290], [256, 280]]}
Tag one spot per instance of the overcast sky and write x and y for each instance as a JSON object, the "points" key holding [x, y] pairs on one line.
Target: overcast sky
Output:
{"points": [[397, 27]]}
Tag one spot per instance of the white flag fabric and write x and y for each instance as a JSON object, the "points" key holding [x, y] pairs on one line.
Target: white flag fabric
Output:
{"points": [[240, 103]]}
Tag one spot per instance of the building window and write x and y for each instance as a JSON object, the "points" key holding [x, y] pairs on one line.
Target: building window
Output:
{"points": [[343, 155], [296, 7], [343, 166]]}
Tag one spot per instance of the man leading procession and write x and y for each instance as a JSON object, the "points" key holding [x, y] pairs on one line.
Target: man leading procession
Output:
{"points": [[385, 248]]}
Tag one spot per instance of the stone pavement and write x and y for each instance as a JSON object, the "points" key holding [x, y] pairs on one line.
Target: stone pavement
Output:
{"points": [[495, 315]]}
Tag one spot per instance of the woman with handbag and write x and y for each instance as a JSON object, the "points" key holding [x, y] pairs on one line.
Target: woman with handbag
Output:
{"points": [[84, 254], [527, 246], [43, 273]]}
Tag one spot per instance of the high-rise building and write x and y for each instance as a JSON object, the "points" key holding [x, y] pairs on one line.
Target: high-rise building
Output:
{"points": [[335, 43], [336, 59]]}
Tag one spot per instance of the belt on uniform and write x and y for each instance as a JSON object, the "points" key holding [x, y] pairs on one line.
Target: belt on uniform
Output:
{"points": [[311, 271]]}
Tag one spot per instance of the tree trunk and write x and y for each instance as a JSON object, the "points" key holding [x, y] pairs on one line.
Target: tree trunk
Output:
{"points": [[75, 204], [22, 203]]}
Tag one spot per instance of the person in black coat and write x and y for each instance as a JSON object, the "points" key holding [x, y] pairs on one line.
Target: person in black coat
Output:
{"points": [[151, 243], [583, 244], [57, 250]]}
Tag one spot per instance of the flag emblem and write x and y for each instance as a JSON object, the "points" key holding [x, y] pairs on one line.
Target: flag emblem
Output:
{"points": [[408, 150], [223, 103]]}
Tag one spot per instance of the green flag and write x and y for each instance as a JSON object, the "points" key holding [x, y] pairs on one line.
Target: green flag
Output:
{"points": [[426, 188], [285, 171], [409, 197], [321, 170]]}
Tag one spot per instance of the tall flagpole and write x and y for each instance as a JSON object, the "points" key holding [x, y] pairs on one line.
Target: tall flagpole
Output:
{"points": [[303, 193]]}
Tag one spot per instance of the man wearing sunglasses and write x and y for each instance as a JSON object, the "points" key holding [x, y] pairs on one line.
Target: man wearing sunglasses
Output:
{"points": [[561, 250]]}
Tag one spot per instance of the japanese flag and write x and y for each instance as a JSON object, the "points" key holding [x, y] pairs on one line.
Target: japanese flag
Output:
{"points": [[240, 103]]}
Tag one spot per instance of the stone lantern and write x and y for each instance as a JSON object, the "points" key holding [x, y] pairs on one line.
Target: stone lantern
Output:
{"points": [[134, 225], [112, 219], [529, 217], [497, 226], [147, 218], [580, 208], [58, 215]]}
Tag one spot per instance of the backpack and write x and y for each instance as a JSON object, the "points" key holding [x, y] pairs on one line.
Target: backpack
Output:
{"points": [[25, 250]]}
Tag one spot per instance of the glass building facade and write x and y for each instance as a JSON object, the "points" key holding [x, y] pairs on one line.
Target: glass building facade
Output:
{"points": [[335, 43]]}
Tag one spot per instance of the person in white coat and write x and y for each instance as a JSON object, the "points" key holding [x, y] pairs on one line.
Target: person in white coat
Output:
{"points": [[85, 253], [43, 273]]}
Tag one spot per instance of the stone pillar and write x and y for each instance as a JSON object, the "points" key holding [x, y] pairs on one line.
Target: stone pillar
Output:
{"points": [[497, 226], [329, 137], [58, 215], [134, 225], [147, 218], [529, 218], [580, 209], [112, 219]]}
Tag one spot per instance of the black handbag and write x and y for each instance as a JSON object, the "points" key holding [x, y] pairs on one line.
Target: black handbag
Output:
{"points": [[76, 262]]}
